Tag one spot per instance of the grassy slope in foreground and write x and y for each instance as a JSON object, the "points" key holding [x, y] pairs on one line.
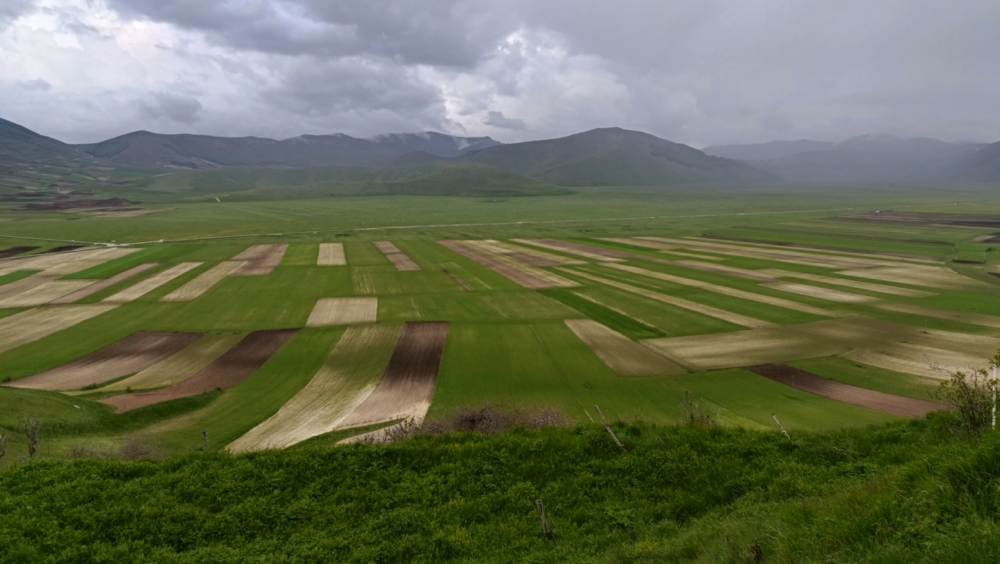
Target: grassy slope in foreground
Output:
{"points": [[906, 492]]}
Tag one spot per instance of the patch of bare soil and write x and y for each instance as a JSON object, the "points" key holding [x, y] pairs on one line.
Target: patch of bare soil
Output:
{"points": [[261, 259], [14, 251], [128, 356], [396, 256], [61, 249], [458, 280], [98, 286], [228, 370], [861, 397], [407, 386], [524, 279]]}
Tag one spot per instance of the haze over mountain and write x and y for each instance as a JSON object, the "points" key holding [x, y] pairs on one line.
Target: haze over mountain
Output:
{"points": [[145, 149], [615, 157], [867, 158]]}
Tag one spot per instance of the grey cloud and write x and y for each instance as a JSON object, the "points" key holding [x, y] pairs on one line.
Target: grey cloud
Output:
{"points": [[497, 119], [12, 9], [175, 107], [443, 32], [38, 85]]}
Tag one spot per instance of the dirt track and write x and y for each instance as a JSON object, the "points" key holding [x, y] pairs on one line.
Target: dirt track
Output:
{"points": [[230, 369], [869, 399], [407, 386], [132, 354]]}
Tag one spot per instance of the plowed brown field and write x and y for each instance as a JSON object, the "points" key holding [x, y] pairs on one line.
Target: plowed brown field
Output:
{"points": [[869, 399], [407, 386], [261, 259], [230, 369], [396, 256], [128, 356]]}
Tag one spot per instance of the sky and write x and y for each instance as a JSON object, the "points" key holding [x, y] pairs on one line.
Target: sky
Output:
{"points": [[701, 72]]}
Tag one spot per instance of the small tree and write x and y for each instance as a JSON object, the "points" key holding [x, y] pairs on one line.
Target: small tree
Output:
{"points": [[971, 398], [33, 431]]}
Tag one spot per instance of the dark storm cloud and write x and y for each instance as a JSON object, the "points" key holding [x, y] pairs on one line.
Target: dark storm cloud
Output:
{"points": [[443, 32], [497, 119], [174, 107]]}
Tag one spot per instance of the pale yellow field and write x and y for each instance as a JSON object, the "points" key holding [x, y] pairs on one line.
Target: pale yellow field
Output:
{"points": [[726, 291], [31, 325], [973, 318], [821, 293], [148, 285], [506, 248], [346, 379], [577, 252], [781, 255], [744, 348], [917, 275], [881, 288], [621, 354], [733, 318], [61, 264], [45, 293], [182, 365], [203, 282], [331, 254], [23, 285], [343, 311], [103, 284], [919, 361], [544, 275]]}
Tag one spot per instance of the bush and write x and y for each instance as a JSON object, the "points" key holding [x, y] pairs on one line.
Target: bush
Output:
{"points": [[971, 398]]}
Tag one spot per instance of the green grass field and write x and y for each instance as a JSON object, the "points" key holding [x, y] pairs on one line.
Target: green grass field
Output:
{"points": [[508, 343]]}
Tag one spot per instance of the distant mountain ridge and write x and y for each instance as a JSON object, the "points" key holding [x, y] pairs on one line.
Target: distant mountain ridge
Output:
{"points": [[866, 158], [145, 149]]}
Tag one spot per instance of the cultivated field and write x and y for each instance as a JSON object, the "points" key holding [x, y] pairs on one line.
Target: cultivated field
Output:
{"points": [[320, 331]]}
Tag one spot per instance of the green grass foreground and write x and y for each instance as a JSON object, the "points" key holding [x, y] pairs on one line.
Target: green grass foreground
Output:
{"points": [[903, 492]]}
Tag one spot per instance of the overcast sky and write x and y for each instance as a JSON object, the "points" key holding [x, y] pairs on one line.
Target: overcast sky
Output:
{"points": [[694, 71]]}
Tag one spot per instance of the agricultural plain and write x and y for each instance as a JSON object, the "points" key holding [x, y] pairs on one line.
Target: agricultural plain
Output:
{"points": [[269, 324]]}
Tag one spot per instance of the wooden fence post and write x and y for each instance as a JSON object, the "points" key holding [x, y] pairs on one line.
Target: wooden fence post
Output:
{"points": [[541, 515], [608, 427]]}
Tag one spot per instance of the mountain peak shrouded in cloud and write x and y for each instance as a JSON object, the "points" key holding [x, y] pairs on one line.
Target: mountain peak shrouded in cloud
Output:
{"points": [[701, 73]]}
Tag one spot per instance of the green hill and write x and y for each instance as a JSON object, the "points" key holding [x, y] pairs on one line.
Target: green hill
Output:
{"points": [[442, 178], [615, 157], [19, 143]]}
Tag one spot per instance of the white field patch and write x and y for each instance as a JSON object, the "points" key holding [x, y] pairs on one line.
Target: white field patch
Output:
{"points": [[146, 286], [730, 317], [45, 293], [97, 286], [343, 311], [347, 378], [203, 282], [693, 255], [780, 255], [23, 285], [919, 361], [821, 293], [181, 366], [331, 254], [61, 264], [621, 354], [261, 260], [743, 348], [917, 275], [548, 277], [726, 291], [397, 257], [833, 281], [724, 269], [34, 324], [964, 317]]}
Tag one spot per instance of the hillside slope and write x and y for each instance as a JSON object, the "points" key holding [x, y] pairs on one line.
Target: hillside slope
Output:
{"points": [[441, 178], [145, 149], [19, 143], [980, 166], [614, 157], [765, 151]]}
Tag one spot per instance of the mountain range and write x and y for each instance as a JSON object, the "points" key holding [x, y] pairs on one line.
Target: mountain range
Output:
{"points": [[870, 158]]}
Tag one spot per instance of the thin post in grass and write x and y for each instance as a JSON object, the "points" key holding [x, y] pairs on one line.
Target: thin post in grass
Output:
{"points": [[608, 427], [541, 515], [204, 440], [789, 437], [994, 397]]}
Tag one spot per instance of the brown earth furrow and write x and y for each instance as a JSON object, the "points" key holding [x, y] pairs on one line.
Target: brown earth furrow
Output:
{"points": [[128, 356], [227, 371], [407, 387], [396, 256], [861, 397], [261, 259], [103, 284], [14, 251], [524, 279]]}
